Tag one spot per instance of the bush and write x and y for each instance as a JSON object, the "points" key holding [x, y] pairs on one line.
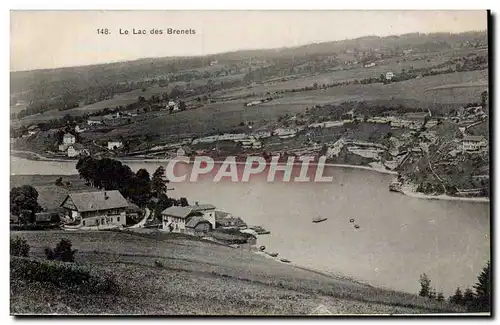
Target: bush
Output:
{"points": [[62, 252], [19, 247], [63, 276]]}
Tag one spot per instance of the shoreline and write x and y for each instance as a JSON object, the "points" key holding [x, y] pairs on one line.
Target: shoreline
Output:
{"points": [[408, 192], [443, 197]]}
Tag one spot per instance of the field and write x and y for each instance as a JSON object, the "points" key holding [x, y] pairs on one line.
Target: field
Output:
{"points": [[50, 196], [224, 117], [198, 278]]}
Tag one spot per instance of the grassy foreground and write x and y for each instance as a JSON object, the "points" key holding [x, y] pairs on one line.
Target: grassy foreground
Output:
{"points": [[196, 278]]}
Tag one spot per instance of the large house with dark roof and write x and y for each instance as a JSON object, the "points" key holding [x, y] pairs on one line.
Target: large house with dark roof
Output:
{"points": [[192, 218], [96, 208]]}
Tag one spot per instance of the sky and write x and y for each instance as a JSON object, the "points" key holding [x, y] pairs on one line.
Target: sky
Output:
{"points": [[52, 39]]}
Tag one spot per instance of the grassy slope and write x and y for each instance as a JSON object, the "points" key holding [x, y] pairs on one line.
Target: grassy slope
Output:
{"points": [[198, 278], [50, 196]]}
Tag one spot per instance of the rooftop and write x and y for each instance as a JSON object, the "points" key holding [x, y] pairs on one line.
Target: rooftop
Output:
{"points": [[193, 222], [183, 212], [95, 201]]}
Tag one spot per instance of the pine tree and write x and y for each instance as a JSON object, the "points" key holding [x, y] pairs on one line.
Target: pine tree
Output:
{"points": [[483, 289], [432, 294], [440, 296], [159, 182], [469, 299], [425, 285], [457, 298]]}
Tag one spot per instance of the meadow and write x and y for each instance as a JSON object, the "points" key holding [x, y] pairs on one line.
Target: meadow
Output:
{"points": [[198, 278]]}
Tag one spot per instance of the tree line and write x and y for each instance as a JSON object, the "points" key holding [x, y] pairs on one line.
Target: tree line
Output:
{"points": [[141, 188], [477, 300]]}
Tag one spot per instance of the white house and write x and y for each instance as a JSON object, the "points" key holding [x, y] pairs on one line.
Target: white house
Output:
{"points": [[112, 145], [77, 149], [471, 143], [69, 138], [94, 121], [389, 75], [95, 209], [175, 218], [369, 65], [173, 105]]}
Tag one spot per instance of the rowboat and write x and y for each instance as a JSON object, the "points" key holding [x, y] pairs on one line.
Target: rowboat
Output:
{"points": [[319, 219]]}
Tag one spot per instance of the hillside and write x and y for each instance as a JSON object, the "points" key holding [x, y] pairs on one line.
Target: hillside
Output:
{"points": [[198, 278], [65, 88]]}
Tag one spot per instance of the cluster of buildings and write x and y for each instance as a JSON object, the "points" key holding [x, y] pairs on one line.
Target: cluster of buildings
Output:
{"points": [[109, 209], [71, 147]]}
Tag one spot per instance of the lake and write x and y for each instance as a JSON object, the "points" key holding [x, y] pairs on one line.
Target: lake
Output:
{"points": [[398, 238]]}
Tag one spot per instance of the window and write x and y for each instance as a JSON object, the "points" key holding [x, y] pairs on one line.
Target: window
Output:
{"points": [[83, 222], [118, 219]]}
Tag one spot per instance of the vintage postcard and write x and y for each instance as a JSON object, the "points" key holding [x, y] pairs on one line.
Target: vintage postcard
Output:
{"points": [[250, 163]]}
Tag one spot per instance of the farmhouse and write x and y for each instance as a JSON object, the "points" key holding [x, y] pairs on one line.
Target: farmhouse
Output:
{"points": [[473, 143], [68, 139], [112, 145], [176, 218], [77, 149], [389, 75], [96, 208]]}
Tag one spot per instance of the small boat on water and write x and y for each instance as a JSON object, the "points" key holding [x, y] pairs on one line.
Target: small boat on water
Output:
{"points": [[319, 219], [284, 260], [272, 254]]}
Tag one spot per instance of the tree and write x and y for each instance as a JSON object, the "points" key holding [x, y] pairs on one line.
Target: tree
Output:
{"points": [[469, 298], [440, 296], [457, 298], [24, 199], [484, 98], [143, 174], [183, 202], [19, 247], [483, 289], [182, 105], [62, 252], [432, 293], [59, 181], [159, 182], [425, 285]]}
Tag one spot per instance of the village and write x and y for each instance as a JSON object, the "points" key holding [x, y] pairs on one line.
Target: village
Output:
{"points": [[385, 142]]}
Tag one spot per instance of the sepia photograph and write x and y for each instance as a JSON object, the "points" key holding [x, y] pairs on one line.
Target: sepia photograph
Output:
{"points": [[250, 162]]}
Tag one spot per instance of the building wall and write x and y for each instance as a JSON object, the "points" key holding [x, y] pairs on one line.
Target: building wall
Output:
{"points": [[104, 219], [179, 224], [210, 216], [115, 216], [70, 140], [472, 145], [72, 152]]}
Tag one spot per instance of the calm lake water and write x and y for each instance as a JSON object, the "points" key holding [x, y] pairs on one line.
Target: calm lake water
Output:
{"points": [[399, 237]]}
